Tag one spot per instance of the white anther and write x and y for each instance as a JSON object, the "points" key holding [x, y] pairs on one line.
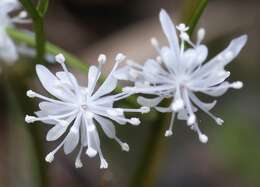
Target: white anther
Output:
{"points": [[191, 119], [103, 164], [120, 57], [203, 138], [91, 152], [201, 34], [78, 163], [219, 121], [155, 43], [182, 27], [135, 121], [50, 157], [60, 58], [30, 119], [102, 59], [30, 93], [168, 133], [125, 147], [237, 85]]}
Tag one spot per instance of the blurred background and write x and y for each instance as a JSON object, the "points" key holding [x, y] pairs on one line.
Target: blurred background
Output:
{"points": [[87, 28]]}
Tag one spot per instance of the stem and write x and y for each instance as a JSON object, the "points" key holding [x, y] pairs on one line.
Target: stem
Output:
{"points": [[193, 12], [146, 171], [38, 25]]}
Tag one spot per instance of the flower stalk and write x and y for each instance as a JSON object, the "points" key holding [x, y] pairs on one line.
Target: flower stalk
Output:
{"points": [[37, 14]]}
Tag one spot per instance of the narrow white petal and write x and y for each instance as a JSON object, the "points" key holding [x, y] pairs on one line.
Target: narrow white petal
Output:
{"points": [[107, 126], [55, 132], [149, 102], [170, 32]]}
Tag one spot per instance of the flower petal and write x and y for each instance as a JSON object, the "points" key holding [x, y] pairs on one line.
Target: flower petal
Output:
{"points": [[170, 32], [108, 86], [149, 102], [55, 132], [107, 126], [50, 83]]}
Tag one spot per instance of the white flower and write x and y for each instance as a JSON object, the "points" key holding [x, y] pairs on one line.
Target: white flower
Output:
{"points": [[8, 51], [77, 110], [180, 73]]}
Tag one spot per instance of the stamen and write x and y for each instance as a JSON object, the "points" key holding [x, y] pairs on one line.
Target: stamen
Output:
{"points": [[134, 121], [61, 60], [91, 152], [31, 94], [156, 44], [169, 131], [30, 119], [200, 35], [102, 59], [124, 146], [103, 164], [191, 120], [182, 27], [50, 157], [120, 57], [203, 138], [237, 85]]}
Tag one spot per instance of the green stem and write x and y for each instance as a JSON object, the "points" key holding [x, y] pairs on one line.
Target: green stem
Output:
{"points": [[193, 12], [38, 25], [146, 171]]}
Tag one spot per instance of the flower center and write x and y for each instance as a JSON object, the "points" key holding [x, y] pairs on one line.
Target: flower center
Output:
{"points": [[84, 107]]}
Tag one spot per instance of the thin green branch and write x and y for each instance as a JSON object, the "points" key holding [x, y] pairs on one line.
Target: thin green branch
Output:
{"points": [[38, 25], [194, 11]]}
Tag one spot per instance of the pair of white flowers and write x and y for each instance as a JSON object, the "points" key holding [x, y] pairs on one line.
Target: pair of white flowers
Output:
{"points": [[178, 73], [8, 50]]}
